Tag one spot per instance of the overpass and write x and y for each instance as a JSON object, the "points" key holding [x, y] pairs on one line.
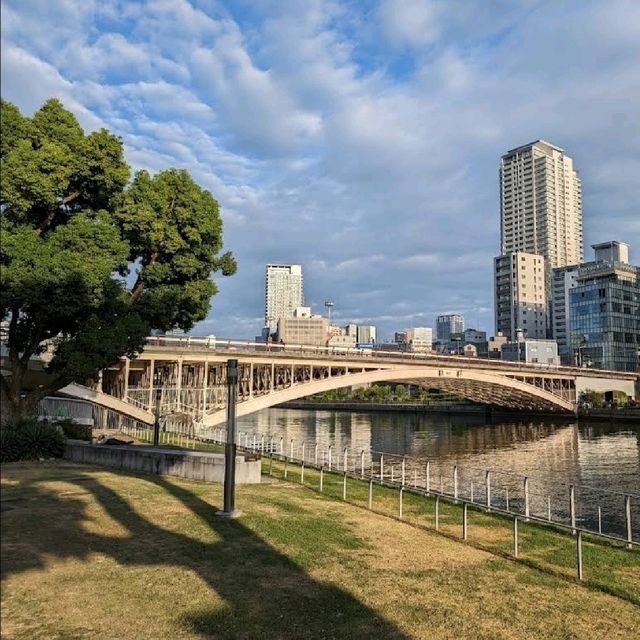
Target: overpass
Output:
{"points": [[189, 375]]}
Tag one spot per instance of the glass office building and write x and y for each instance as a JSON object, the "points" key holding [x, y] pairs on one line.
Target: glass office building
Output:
{"points": [[605, 316]]}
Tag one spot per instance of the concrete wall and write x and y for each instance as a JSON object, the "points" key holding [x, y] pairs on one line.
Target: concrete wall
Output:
{"points": [[194, 465]]}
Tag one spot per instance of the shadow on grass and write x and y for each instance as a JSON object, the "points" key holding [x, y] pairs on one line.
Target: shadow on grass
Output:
{"points": [[267, 595]]}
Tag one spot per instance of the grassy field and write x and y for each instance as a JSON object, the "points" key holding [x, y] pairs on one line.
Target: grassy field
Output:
{"points": [[92, 553]]}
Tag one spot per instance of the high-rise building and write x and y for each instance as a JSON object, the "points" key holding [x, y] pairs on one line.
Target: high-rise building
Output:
{"points": [[540, 214], [283, 293], [303, 328], [520, 295], [604, 305], [448, 324], [563, 280], [541, 204]]}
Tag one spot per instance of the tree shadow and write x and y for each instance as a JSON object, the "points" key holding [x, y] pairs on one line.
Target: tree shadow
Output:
{"points": [[266, 593]]}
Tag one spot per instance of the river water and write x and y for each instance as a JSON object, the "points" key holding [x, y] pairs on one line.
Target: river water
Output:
{"points": [[601, 461]]}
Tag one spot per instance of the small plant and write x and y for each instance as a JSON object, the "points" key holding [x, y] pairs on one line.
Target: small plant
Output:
{"points": [[30, 439]]}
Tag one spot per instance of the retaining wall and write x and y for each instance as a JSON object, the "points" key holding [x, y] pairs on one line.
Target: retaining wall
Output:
{"points": [[194, 465]]}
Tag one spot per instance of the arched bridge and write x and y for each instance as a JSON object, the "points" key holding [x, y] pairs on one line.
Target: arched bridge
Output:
{"points": [[190, 375]]}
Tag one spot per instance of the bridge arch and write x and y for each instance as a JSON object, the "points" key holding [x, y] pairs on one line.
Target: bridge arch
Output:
{"points": [[479, 386]]}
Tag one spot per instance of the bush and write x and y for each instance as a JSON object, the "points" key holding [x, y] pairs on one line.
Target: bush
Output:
{"points": [[74, 430], [30, 439]]}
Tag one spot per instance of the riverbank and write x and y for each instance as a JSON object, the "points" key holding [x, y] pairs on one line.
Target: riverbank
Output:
{"points": [[153, 561]]}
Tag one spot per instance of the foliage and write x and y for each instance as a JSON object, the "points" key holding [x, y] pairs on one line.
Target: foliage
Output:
{"points": [[75, 431], [591, 397], [30, 439], [90, 262]]}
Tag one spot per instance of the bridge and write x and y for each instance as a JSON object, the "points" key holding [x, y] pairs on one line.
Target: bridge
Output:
{"points": [[189, 374]]}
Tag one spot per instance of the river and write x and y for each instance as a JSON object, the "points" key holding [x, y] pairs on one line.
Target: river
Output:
{"points": [[601, 461]]}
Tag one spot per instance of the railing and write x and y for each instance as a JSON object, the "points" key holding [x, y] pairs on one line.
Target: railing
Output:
{"points": [[567, 506], [200, 343]]}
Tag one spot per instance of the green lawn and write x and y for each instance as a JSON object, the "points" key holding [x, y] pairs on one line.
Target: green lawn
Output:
{"points": [[93, 553]]}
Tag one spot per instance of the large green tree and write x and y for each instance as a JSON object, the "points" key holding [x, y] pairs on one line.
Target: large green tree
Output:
{"points": [[91, 261]]}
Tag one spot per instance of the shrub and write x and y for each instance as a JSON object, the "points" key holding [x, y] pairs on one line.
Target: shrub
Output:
{"points": [[74, 430], [30, 439]]}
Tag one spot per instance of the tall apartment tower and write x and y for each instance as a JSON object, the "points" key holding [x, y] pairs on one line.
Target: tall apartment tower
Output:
{"points": [[541, 204], [448, 324], [283, 293], [540, 214]]}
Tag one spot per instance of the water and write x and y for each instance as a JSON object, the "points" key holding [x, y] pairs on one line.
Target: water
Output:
{"points": [[602, 461]]}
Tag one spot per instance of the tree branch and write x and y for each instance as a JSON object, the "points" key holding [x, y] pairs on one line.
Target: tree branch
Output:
{"points": [[138, 287]]}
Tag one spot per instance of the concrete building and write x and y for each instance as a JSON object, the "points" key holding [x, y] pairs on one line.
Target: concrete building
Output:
{"points": [[531, 351], [303, 328], [283, 293], [366, 334], [520, 295], [447, 324], [494, 345], [541, 204], [419, 339], [563, 280], [604, 306]]}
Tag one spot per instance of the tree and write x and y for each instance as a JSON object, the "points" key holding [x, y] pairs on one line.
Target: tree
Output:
{"points": [[91, 262]]}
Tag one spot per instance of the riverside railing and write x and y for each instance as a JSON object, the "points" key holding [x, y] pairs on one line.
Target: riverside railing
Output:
{"points": [[603, 513]]}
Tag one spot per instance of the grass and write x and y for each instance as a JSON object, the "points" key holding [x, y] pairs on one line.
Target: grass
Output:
{"points": [[94, 553]]}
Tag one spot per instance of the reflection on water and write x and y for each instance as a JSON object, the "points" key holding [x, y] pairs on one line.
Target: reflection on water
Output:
{"points": [[602, 461]]}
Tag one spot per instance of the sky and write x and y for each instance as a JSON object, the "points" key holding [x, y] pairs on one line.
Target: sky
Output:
{"points": [[359, 139]]}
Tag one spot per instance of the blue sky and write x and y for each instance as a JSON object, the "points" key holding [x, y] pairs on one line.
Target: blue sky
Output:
{"points": [[359, 139]]}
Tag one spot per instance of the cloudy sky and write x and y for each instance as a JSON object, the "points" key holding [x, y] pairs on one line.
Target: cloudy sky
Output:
{"points": [[359, 139]]}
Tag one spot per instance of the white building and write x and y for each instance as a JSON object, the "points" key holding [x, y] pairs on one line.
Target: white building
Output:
{"points": [[532, 351], [419, 339], [541, 204], [520, 296], [283, 293]]}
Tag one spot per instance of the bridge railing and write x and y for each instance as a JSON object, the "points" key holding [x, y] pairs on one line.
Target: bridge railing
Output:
{"points": [[243, 346]]}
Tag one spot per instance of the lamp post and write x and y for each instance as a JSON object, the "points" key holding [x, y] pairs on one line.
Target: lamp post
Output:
{"points": [[230, 445], [329, 304]]}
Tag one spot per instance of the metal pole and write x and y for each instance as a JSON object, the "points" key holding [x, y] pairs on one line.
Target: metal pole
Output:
{"points": [[362, 464], [321, 478], [344, 486], [549, 508], [381, 468], [404, 467], [400, 505], [455, 482], [281, 446], [392, 467], [302, 472], [627, 514], [464, 521], [472, 491], [428, 480], [487, 482], [572, 508], [286, 463], [506, 493], [599, 520], [303, 451], [579, 553], [270, 463], [156, 422], [315, 454], [437, 514], [330, 448], [526, 499], [371, 491], [230, 446], [346, 460], [515, 536]]}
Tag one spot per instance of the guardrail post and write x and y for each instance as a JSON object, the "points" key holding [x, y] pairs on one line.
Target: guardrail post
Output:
{"points": [[371, 491], [303, 452], [572, 508], [579, 553], [437, 512], [344, 485], [286, 462], [487, 484], [321, 478], [302, 471], [455, 483], [526, 498], [381, 468], [400, 504], [428, 478], [362, 463], [515, 536], [627, 515], [464, 521]]}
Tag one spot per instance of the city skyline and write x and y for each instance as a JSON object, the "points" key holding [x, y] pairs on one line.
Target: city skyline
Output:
{"points": [[375, 157]]}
